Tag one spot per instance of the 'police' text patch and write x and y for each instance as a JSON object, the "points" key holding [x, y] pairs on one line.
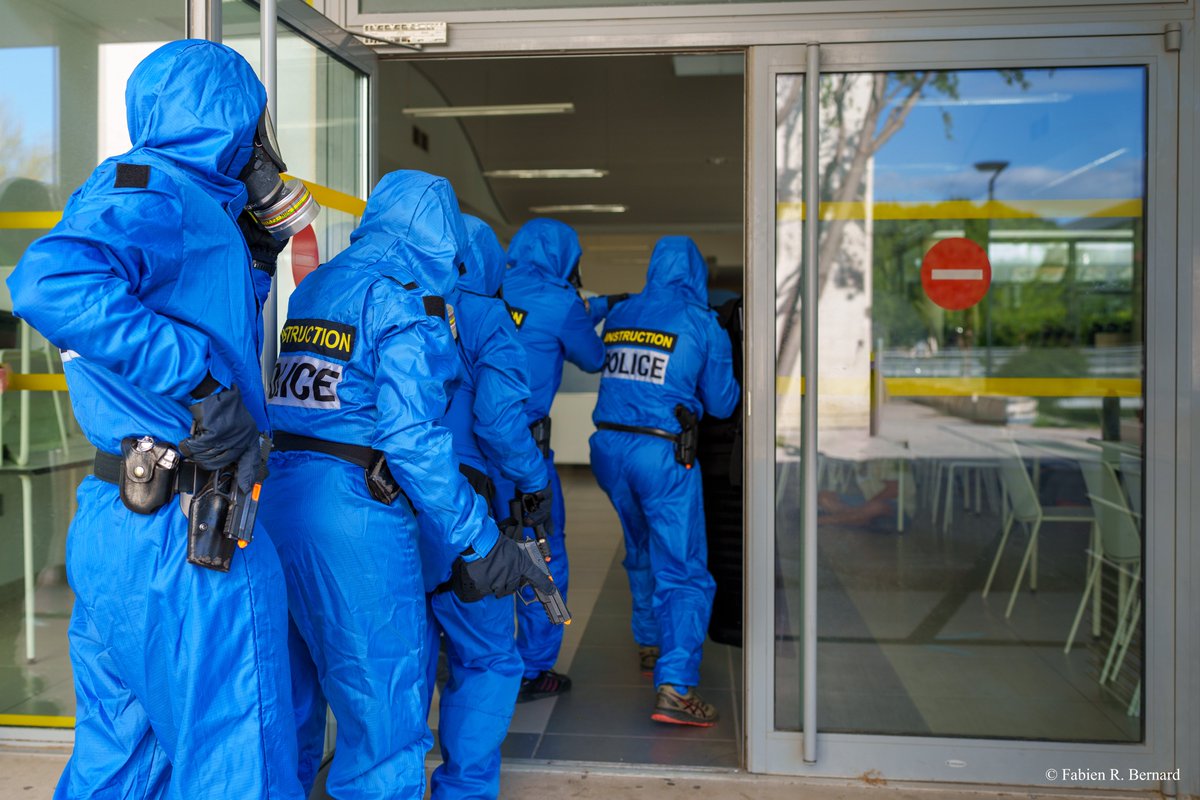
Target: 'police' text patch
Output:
{"points": [[659, 340], [636, 364], [306, 382], [318, 336]]}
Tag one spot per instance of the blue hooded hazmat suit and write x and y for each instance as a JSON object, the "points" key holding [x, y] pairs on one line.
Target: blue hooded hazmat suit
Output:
{"points": [[552, 324], [664, 347], [181, 675], [366, 359], [487, 420]]}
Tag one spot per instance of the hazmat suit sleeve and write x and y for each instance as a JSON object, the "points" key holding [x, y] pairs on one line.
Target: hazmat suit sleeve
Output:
{"points": [[77, 285], [417, 357], [597, 308], [501, 389], [718, 389], [581, 344]]}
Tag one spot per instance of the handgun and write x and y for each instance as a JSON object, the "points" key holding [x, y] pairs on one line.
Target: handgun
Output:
{"points": [[552, 601], [239, 524], [518, 509]]}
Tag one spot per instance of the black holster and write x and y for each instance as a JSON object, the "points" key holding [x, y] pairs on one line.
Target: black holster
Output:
{"points": [[209, 545], [380, 482], [147, 478], [689, 436], [541, 435]]}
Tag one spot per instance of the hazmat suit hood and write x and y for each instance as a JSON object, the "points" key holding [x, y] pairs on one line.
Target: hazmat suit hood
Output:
{"points": [[484, 259], [547, 247], [677, 266], [412, 230], [197, 104]]}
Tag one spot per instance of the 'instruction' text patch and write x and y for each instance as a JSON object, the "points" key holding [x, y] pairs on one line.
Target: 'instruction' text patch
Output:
{"points": [[319, 336], [659, 340]]}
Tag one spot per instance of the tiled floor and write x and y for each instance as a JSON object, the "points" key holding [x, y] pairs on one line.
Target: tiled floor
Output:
{"points": [[606, 715]]}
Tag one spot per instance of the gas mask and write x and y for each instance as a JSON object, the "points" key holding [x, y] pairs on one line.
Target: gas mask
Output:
{"points": [[284, 209], [574, 278]]}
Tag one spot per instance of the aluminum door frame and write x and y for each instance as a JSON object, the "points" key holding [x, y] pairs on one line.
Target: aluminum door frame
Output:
{"points": [[945, 758]]}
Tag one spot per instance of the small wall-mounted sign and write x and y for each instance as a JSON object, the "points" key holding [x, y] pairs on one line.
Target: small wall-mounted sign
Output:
{"points": [[378, 34]]}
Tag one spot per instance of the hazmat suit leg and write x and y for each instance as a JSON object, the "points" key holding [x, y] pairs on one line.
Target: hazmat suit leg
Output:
{"points": [[644, 473], [638, 568], [355, 592], [477, 701], [539, 640], [174, 662], [308, 701]]}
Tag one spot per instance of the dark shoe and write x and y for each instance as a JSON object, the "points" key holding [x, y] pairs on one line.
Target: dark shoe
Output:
{"points": [[648, 656], [548, 683], [683, 709]]}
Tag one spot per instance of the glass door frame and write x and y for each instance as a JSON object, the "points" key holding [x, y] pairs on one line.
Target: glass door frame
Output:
{"points": [[939, 758]]}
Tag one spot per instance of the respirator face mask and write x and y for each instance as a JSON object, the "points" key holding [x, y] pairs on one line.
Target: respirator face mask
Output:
{"points": [[575, 278], [284, 209]]}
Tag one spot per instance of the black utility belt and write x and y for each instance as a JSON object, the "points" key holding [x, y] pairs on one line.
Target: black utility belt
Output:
{"points": [[659, 432], [685, 441], [380, 483], [149, 473]]}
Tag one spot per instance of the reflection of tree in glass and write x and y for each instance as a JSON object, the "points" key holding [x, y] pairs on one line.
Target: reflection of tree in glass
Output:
{"points": [[849, 141], [20, 157]]}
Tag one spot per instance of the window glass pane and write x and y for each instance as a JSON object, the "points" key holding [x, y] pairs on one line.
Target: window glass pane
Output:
{"points": [[62, 111], [405, 6], [980, 403]]}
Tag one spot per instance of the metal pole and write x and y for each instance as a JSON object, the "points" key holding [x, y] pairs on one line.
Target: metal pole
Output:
{"points": [[808, 371], [267, 29], [203, 20]]}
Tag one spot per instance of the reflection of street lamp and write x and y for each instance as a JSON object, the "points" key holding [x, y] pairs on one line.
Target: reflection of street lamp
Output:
{"points": [[994, 167]]}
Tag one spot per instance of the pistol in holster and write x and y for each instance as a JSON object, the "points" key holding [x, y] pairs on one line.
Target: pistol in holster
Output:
{"points": [[220, 515], [541, 435], [689, 435], [518, 507]]}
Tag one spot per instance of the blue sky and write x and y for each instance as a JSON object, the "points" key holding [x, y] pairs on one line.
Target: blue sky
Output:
{"points": [[28, 90], [1070, 134]]}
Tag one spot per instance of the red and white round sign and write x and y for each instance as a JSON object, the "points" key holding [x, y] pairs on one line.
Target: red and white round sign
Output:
{"points": [[956, 273], [306, 256]]}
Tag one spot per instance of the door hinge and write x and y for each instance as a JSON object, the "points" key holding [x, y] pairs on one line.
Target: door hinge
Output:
{"points": [[1173, 37]]}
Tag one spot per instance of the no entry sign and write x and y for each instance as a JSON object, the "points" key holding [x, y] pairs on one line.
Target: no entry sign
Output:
{"points": [[956, 273]]}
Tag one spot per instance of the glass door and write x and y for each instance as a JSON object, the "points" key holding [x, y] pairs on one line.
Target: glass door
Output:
{"points": [[967, 396]]}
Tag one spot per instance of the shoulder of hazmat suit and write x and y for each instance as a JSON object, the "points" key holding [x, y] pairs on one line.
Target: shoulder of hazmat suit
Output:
{"points": [[487, 412], [551, 318], [146, 283], [664, 346], [146, 286]]}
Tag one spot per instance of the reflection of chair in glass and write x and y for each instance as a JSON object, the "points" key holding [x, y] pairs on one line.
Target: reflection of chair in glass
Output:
{"points": [[980, 472], [1116, 542], [1025, 507]]}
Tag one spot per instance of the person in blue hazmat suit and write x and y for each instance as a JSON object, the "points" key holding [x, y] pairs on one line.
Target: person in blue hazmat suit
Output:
{"points": [[367, 359], [487, 420], [178, 643], [553, 323], [667, 362]]}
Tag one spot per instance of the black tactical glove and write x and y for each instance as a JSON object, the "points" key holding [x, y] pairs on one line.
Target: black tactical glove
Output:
{"points": [[500, 573], [264, 248], [224, 432], [536, 510]]}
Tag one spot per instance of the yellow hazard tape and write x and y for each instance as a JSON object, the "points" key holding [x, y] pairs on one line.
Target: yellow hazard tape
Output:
{"points": [[45, 220], [29, 220], [970, 387], [35, 721], [332, 198], [37, 382], [966, 209]]}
